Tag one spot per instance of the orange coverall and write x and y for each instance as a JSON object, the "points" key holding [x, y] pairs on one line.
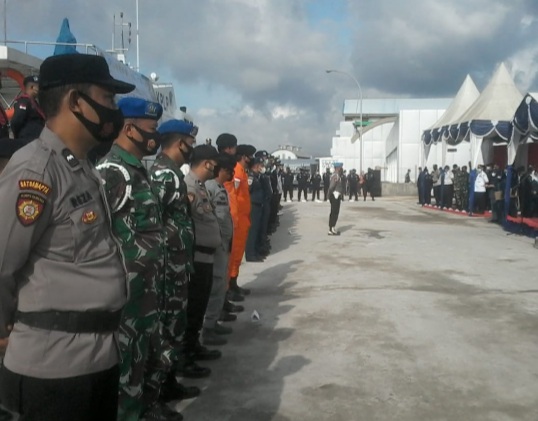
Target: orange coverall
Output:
{"points": [[239, 195]]}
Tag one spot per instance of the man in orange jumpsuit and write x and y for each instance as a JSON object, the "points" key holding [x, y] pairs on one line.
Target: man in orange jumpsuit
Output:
{"points": [[241, 218]]}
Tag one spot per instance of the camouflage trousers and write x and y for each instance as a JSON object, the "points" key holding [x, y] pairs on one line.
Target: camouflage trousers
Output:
{"points": [[174, 314], [462, 199], [136, 336]]}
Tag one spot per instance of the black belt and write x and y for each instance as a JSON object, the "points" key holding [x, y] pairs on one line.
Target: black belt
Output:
{"points": [[205, 250], [72, 321]]}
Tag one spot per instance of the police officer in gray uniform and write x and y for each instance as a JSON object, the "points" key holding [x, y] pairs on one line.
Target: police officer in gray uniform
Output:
{"points": [[62, 277], [336, 194], [206, 238], [219, 198]]}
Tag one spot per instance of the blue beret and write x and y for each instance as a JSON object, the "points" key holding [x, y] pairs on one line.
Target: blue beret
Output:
{"points": [[132, 107], [178, 126], [338, 165]]}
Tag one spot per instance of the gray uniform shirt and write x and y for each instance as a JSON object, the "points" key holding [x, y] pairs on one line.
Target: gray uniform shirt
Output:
{"points": [[206, 226], [56, 253], [220, 200], [337, 184]]}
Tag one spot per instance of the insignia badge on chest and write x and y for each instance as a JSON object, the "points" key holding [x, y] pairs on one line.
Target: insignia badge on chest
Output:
{"points": [[70, 158], [89, 217], [29, 208]]}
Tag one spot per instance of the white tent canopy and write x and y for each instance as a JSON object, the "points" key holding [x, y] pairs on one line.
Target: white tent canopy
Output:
{"points": [[493, 109], [466, 96]]}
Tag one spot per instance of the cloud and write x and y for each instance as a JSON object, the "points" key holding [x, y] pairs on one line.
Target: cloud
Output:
{"points": [[256, 67]]}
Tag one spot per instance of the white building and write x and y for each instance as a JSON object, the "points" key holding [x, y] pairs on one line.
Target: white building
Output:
{"points": [[391, 135]]}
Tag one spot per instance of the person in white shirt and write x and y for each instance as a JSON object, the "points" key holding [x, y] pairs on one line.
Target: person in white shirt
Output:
{"points": [[480, 190]]}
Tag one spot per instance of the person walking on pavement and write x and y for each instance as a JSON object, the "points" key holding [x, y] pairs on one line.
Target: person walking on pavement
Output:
{"points": [[137, 223], [28, 118], [57, 244], [336, 191], [212, 329], [177, 138]]}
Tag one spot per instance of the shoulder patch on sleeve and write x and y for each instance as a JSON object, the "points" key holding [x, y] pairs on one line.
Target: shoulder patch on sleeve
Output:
{"points": [[166, 172], [34, 185], [121, 172], [29, 208]]}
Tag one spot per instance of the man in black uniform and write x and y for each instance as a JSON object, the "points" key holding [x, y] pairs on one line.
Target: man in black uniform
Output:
{"points": [[353, 182], [302, 184], [263, 246], [257, 200], [326, 183], [315, 182], [288, 185], [28, 119]]}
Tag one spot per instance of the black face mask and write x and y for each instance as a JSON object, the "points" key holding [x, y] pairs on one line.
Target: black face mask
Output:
{"points": [[110, 121], [145, 147], [187, 155]]}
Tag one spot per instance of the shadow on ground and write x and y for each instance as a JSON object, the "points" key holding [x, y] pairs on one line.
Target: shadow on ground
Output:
{"points": [[247, 383]]}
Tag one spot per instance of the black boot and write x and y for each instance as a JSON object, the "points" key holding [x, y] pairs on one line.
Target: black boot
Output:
{"points": [[172, 390], [236, 288]]}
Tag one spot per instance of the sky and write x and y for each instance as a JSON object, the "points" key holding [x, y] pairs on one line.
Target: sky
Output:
{"points": [[256, 68]]}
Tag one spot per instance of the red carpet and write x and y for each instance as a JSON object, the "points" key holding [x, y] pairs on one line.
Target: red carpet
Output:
{"points": [[531, 222], [487, 214]]}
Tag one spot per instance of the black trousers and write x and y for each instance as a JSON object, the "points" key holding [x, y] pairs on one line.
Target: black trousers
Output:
{"points": [[480, 202], [335, 211], [325, 191], [448, 195], [302, 189], [315, 192], [353, 193], [199, 290], [437, 195], [92, 397], [288, 190]]}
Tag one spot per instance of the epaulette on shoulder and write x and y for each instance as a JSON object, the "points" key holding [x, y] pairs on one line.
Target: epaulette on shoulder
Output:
{"points": [[35, 157]]}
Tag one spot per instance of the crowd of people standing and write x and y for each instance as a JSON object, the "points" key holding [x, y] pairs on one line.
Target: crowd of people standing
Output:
{"points": [[115, 278], [355, 185], [480, 190]]}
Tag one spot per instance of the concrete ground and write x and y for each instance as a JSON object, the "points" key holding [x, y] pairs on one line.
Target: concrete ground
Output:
{"points": [[410, 314]]}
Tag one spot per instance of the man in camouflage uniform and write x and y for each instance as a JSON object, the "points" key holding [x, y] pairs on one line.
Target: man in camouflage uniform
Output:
{"points": [[461, 189], [178, 138], [137, 223]]}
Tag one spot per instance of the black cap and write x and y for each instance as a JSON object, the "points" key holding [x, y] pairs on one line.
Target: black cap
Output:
{"points": [[246, 150], [263, 154], [9, 146], [226, 161], [226, 140], [257, 160], [204, 152], [68, 69], [30, 79]]}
